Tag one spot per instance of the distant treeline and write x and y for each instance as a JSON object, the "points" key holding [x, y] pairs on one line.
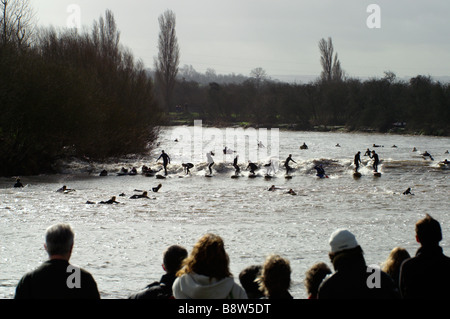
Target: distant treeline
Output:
{"points": [[69, 93], [417, 106]]}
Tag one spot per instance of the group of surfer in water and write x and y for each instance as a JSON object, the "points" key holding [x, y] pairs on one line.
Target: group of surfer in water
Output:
{"points": [[252, 167]]}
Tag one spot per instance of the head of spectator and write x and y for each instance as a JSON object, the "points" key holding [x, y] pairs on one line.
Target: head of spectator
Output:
{"points": [[314, 277], [428, 231], [275, 279], [59, 241], [248, 279], [392, 264], [173, 258], [208, 258]]}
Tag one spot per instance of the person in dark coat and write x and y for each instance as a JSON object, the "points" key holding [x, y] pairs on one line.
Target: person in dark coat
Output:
{"points": [[352, 278], [56, 278], [427, 275], [162, 289]]}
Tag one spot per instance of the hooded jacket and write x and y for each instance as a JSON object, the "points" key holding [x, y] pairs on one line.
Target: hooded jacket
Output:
{"points": [[195, 286], [350, 280]]}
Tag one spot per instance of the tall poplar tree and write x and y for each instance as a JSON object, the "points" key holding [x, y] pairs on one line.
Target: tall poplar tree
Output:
{"points": [[166, 64]]}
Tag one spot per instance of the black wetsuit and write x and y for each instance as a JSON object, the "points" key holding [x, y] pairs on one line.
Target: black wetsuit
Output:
{"points": [[236, 166], [18, 184], [187, 166], [253, 167], [376, 161], [320, 171], [111, 201], [286, 164], [139, 196], [357, 161], [166, 160]]}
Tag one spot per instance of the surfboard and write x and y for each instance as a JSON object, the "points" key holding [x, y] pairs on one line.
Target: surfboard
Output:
{"points": [[252, 175], [160, 177], [357, 174], [377, 174], [234, 176], [268, 176], [207, 175], [288, 176]]}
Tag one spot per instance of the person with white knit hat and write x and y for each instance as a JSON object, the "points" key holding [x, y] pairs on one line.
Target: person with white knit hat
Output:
{"points": [[352, 279]]}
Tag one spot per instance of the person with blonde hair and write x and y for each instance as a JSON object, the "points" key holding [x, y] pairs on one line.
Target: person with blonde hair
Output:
{"points": [[206, 274], [392, 264], [275, 279]]}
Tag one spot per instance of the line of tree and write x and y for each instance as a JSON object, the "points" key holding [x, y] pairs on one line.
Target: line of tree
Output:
{"points": [[387, 104], [69, 93]]}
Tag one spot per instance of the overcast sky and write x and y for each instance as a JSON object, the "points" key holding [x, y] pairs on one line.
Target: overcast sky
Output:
{"points": [[280, 36]]}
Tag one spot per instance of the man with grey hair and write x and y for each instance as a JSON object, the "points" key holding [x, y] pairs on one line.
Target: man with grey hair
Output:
{"points": [[56, 278]]}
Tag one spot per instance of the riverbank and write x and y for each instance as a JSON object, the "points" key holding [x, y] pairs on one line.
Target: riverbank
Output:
{"points": [[187, 119]]}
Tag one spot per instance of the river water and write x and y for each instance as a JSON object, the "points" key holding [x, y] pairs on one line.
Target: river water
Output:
{"points": [[122, 245]]}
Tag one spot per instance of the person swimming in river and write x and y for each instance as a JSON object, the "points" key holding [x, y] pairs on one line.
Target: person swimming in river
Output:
{"points": [[156, 189], [408, 192], [187, 167], [291, 192], [166, 160], [110, 201], [143, 195], [357, 161], [304, 146], [64, 189], [426, 154], [376, 161], [253, 167], [236, 166], [286, 164]]}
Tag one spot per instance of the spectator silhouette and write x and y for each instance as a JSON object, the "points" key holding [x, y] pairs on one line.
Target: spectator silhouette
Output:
{"points": [[275, 279], [162, 289], [427, 275], [392, 264], [351, 277], [314, 277], [247, 278], [206, 274], [56, 278]]}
